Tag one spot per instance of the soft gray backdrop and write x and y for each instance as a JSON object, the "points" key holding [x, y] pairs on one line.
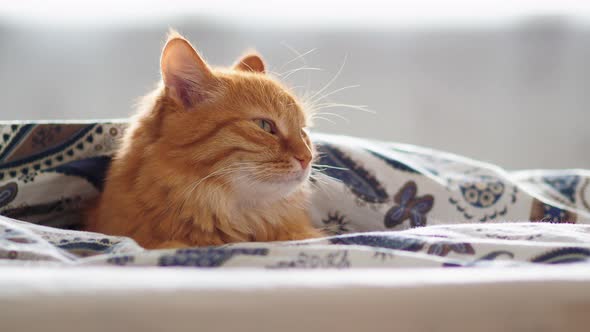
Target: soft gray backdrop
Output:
{"points": [[516, 95]]}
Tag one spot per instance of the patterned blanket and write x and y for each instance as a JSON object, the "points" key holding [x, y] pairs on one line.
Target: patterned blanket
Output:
{"points": [[385, 205]]}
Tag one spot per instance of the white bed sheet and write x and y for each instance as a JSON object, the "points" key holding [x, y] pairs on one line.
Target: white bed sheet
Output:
{"points": [[45, 298]]}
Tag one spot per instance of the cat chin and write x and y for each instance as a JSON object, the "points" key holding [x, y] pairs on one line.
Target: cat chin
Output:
{"points": [[264, 192]]}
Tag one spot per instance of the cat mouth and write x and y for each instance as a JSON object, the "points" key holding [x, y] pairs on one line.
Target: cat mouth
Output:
{"points": [[270, 188], [290, 178]]}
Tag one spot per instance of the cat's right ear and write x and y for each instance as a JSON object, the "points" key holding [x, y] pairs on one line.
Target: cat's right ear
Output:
{"points": [[188, 79]]}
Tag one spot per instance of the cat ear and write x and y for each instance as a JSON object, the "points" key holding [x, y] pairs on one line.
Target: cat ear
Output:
{"points": [[251, 62], [186, 75]]}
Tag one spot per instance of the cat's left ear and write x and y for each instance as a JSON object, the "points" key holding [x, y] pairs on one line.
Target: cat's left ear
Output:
{"points": [[251, 62], [187, 77]]}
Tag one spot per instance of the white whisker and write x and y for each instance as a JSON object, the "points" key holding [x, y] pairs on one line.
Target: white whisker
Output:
{"points": [[329, 166], [315, 115], [322, 118], [293, 71], [336, 91], [362, 108], [299, 56], [328, 177], [331, 81]]}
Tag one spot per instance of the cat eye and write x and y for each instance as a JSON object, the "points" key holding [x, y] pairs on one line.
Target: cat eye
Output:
{"points": [[266, 125]]}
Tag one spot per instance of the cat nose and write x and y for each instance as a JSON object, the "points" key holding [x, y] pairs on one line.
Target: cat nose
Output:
{"points": [[303, 160]]}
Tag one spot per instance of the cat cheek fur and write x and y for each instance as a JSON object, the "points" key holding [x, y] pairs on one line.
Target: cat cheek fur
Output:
{"points": [[167, 186], [261, 186]]}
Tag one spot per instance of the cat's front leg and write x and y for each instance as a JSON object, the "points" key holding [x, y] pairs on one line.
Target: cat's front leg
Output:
{"points": [[302, 233]]}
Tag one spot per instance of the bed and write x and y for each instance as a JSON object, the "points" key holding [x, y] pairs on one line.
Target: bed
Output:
{"points": [[419, 240]]}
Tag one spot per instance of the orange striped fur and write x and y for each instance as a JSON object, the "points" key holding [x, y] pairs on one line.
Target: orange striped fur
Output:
{"points": [[196, 168]]}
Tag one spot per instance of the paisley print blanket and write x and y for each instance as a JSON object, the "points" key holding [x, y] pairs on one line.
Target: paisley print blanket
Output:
{"points": [[384, 205]]}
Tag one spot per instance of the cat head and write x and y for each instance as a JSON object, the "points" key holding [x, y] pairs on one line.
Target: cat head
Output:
{"points": [[236, 128]]}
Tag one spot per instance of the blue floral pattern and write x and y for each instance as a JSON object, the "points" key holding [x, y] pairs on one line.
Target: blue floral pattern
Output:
{"points": [[409, 207], [485, 192]]}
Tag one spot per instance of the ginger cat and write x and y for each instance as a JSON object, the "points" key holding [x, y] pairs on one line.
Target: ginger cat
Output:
{"points": [[215, 156]]}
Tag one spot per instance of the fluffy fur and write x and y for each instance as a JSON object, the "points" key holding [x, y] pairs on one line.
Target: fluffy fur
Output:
{"points": [[196, 168]]}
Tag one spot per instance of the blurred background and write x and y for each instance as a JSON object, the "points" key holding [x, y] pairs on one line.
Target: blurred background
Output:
{"points": [[506, 82]]}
